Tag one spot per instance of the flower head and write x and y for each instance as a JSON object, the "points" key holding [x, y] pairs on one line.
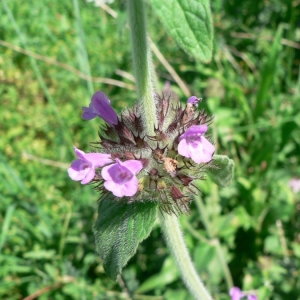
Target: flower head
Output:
{"points": [[120, 177], [84, 167], [143, 167], [195, 146], [100, 106]]}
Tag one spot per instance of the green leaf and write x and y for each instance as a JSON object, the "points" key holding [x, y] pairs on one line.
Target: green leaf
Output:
{"points": [[189, 22], [168, 274], [224, 174], [5, 228], [268, 74], [118, 231], [40, 254]]}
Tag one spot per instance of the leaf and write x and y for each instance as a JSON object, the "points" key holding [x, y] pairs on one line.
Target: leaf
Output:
{"points": [[225, 172], [189, 22], [5, 227], [268, 74], [40, 254], [168, 274], [118, 231], [203, 255]]}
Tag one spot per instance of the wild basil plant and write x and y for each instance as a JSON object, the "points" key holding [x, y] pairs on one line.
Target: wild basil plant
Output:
{"points": [[148, 159]]}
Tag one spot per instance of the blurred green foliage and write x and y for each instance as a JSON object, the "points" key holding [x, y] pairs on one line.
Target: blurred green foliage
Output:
{"points": [[248, 231]]}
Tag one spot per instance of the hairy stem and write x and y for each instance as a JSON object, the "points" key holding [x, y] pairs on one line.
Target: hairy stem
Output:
{"points": [[142, 62], [174, 239]]}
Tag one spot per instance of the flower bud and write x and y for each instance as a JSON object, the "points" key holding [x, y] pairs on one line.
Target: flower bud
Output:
{"points": [[100, 106]]}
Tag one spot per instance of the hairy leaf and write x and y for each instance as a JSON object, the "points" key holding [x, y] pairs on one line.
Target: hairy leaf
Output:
{"points": [[118, 231], [225, 172], [189, 22]]}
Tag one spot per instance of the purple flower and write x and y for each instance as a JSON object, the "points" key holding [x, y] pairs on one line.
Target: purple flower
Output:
{"points": [[193, 144], [100, 106], [236, 294], [194, 100], [120, 177], [84, 167], [294, 184]]}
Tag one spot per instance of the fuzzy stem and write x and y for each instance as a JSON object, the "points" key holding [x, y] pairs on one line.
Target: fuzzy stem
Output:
{"points": [[174, 239], [142, 62]]}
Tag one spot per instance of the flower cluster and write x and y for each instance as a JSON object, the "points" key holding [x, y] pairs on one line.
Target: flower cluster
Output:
{"points": [[137, 166]]}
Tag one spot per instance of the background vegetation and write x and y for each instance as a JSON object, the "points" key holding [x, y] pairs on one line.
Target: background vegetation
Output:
{"points": [[248, 232]]}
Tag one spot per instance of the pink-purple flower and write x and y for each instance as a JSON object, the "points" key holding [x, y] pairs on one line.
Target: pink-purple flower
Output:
{"points": [[236, 294], [84, 167], [194, 100], [194, 145], [120, 177], [294, 184], [100, 106]]}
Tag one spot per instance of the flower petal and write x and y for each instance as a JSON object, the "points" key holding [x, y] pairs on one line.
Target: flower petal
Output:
{"points": [[134, 166], [79, 153], [101, 106], [120, 177], [114, 188], [120, 190], [95, 159], [201, 151], [197, 129], [183, 148], [208, 148], [98, 159], [193, 130], [131, 187], [98, 99], [88, 114], [89, 176], [236, 293], [193, 144], [194, 100], [119, 173], [105, 174], [78, 170]]}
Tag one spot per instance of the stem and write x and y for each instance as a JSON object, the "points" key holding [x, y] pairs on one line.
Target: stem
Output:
{"points": [[142, 62], [224, 265], [202, 211], [174, 239]]}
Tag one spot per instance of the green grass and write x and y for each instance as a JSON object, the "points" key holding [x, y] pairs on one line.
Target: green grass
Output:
{"points": [[252, 87]]}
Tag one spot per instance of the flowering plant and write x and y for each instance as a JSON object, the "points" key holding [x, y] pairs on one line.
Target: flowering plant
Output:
{"points": [[148, 160], [149, 171]]}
